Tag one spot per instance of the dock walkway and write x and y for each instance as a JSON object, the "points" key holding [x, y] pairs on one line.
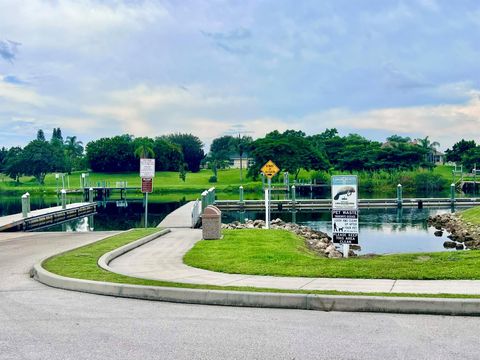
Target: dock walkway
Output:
{"points": [[180, 218], [44, 217]]}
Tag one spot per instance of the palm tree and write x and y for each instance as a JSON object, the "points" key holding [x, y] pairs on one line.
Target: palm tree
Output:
{"points": [[144, 150], [73, 147], [429, 147]]}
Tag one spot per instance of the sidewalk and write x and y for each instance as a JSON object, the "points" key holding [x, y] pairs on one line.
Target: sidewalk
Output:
{"points": [[161, 259]]}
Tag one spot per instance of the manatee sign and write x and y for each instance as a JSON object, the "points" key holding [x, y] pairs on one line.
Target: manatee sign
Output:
{"points": [[344, 192]]}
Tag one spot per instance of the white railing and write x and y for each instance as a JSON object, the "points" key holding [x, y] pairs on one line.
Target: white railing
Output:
{"points": [[196, 212]]}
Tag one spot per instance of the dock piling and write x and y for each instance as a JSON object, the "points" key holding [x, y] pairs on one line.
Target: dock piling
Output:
{"points": [[64, 199], [90, 195], [240, 189], [399, 195], [24, 205], [452, 193]]}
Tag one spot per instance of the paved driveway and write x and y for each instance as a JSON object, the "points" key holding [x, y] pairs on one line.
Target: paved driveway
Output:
{"points": [[38, 322]]}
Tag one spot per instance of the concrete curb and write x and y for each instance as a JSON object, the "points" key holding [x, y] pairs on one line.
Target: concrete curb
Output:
{"points": [[403, 305], [108, 257]]}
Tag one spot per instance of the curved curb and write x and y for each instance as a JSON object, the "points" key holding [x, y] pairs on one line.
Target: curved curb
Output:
{"points": [[108, 257], [404, 305]]}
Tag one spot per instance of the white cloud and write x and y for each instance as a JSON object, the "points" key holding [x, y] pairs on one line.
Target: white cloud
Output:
{"points": [[446, 123], [74, 23], [20, 94]]}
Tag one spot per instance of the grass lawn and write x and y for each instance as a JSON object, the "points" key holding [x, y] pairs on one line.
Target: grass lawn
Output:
{"points": [[281, 253], [471, 215], [81, 263], [228, 180]]}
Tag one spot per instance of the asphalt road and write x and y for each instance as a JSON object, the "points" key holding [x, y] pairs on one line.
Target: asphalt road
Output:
{"points": [[38, 322]]}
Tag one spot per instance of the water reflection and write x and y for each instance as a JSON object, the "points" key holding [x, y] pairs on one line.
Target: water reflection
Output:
{"points": [[402, 230]]}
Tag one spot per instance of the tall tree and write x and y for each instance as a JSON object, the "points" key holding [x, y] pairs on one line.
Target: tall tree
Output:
{"points": [[459, 149], [40, 135], [291, 151], [39, 158], [12, 165], [192, 149]]}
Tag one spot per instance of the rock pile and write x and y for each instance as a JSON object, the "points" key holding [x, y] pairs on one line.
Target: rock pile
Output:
{"points": [[317, 241], [462, 234]]}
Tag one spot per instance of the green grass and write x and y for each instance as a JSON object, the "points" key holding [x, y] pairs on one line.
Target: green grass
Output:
{"points": [[165, 182], [81, 263], [472, 215], [281, 253]]}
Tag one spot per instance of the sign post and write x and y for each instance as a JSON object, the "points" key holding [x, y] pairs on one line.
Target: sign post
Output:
{"points": [[345, 211], [269, 170], [147, 173]]}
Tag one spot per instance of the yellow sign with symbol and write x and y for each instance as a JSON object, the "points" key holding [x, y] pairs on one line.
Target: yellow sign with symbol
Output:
{"points": [[270, 169]]}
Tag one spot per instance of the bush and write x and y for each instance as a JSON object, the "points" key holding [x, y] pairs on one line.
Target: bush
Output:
{"points": [[428, 181], [213, 179], [320, 177]]}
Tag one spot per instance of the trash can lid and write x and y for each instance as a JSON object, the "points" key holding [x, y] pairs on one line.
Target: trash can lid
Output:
{"points": [[211, 212]]}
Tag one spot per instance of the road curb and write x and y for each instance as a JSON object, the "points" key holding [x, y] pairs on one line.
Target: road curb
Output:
{"points": [[405, 305]]}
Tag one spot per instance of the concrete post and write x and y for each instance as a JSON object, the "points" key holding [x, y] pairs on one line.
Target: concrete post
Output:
{"points": [[241, 193], [294, 195], [28, 202], [204, 200], [90, 195], [64, 199], [452, 193], [399, 195], [263, 180], [24, 205]]}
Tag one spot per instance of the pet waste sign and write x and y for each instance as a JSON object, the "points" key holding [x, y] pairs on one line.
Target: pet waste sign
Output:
{"points": [[345, 209]]}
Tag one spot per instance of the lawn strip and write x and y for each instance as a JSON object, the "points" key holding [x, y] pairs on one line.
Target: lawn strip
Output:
{"points": [[281, 253], [81, 263]]}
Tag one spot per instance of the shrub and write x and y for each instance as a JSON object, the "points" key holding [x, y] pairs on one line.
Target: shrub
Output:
{"points": [[212, 179]]}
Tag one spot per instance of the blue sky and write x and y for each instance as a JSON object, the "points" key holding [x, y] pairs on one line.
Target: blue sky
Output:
{"points": [[102, 68]]}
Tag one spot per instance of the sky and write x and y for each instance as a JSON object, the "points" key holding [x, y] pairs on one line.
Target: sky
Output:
{"points": [[149, 68]]}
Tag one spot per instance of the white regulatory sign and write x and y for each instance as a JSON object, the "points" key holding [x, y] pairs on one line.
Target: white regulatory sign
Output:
{"points": [[345, 226], [147, 168], [344, 192]]}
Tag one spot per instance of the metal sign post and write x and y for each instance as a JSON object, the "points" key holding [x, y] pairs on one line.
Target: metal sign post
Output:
{"points": [[269, 170], [147, 173], [345, 211]]}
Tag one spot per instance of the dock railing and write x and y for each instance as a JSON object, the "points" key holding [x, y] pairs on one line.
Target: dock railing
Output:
{"points": [[196, 213]]}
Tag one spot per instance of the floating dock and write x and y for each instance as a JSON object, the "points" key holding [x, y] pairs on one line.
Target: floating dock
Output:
{"points": [[46, 217], [326, 204]]}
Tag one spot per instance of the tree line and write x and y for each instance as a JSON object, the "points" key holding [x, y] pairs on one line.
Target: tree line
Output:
{"points": [[291, 150]]}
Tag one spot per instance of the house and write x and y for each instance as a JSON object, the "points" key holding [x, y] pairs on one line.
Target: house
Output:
{"points": [[245, 161], [436, 157]]}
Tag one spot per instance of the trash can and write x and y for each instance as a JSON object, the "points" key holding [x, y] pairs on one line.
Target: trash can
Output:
{"points": [[212, 223]]}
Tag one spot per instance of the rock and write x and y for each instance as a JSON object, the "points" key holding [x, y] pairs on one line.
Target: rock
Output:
{"points": [[330, 248], [335, 255], [438, 233], [459, 247], [355, 247], [449, 244]]}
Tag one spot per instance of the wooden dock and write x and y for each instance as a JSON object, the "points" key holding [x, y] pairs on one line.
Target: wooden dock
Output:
{"points": [[319, 204], [46, 217]]}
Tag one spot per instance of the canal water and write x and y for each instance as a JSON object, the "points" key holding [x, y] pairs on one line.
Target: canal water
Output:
{"points": [[382, 231]]}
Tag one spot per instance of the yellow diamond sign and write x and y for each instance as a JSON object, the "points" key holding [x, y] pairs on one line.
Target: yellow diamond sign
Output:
{"points": [[270, 169]]}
